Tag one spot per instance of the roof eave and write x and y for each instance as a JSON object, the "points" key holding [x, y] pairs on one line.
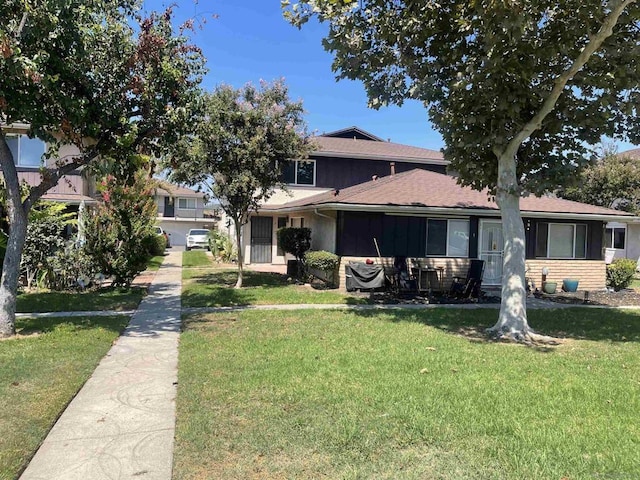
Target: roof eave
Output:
{"points": [[360, 156], [426, 210]]}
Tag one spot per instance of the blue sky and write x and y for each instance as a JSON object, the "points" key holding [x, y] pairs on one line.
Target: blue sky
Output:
{"points": [[249, 40]]}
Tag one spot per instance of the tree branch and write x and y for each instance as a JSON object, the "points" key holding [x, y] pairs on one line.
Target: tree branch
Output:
{"points": [[595, 42], [23, 22]]}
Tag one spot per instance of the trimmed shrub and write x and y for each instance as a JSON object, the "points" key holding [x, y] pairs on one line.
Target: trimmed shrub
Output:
{"points": [[620, 273], [322, 260], [325, 262]]}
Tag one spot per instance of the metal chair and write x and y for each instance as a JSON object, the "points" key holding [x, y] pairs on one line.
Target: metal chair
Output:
{"points": [[469, 286]]}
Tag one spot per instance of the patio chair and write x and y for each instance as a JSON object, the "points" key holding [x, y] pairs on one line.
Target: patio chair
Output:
{"points": [[405, 282], [469, 286]]}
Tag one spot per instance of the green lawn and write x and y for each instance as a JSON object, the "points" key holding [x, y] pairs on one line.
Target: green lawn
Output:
{"points": [[103, 299], [154, 262], [40, 374], [407, 394], [196, 258], [214, 288], [635, 283]]}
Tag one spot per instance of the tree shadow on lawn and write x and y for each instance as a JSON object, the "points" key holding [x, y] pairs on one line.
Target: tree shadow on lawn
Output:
{"points": [[218, 288], [228, 278], [566, 323], [105, 298], [30, 326]]}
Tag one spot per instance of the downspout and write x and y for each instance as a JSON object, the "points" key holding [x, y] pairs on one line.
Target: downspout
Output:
{"points": [[315, 210]]}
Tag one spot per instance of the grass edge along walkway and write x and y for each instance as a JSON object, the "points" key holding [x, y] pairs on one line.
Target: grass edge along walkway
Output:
{"points": [[43, 368], [124, 416]]}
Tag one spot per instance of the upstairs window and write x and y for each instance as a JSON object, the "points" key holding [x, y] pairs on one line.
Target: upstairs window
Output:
{"points": [[27, 152], [299, 172], [187, 203]]}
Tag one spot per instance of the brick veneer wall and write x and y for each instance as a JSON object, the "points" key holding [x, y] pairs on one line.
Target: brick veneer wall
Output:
{"points": [[451, 267], [590, 273]]}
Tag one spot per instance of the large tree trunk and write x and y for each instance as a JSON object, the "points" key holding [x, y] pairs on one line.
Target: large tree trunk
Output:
{"points": [[512, 322], [238, 225], [11, 272], [15, 243]]}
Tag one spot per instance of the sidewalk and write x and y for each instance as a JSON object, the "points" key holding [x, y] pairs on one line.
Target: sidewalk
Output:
{"points": [[121, 424]]}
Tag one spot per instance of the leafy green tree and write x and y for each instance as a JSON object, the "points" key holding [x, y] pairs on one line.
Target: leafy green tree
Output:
{"points": [[241, 142], [78, 74], [44, 239], [613, 181], [518, 89], [120, 232]]}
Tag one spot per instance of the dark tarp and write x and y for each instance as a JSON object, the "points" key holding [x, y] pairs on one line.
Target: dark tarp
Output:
{"points": [[364, 277]]}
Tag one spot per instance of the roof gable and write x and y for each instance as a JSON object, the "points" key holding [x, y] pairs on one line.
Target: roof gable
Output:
{"points": [[354, 133]]}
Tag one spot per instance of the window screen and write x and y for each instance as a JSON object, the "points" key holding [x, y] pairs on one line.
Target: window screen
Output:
{"points": [[437, 237]]}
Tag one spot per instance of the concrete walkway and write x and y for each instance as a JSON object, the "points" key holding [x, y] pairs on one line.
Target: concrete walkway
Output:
{"points": [[121, 424]]}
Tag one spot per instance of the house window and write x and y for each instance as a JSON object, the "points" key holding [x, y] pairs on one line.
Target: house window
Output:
{"points": [[297, 222], [299, 172], [615, 238], [448, 238], [27, 152], [187, 203], [561, 240]]}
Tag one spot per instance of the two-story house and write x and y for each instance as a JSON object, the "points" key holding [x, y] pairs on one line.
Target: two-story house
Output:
{"points": [[356, 188], [72, 189], [181, 209]]}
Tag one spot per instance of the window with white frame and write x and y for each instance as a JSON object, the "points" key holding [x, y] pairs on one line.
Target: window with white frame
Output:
{"points": [[447, 238], [561, 240], [615, 237], [27, 152], [299, 172], [187, 203], [297, 222]]}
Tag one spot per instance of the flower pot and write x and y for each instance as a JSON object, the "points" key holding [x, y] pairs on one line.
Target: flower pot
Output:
{"points": [[570, 285], [549, 287]]}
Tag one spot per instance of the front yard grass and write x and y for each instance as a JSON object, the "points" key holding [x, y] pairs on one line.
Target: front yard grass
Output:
{"points": [[407, 394], [214, 288], [196, 259], [41, 372], [116, 299]]}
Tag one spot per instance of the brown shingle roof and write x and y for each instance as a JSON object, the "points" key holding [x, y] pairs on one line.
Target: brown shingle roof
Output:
{"points": [[171, 190], [370, 149], [635, 153], [423, 188]]}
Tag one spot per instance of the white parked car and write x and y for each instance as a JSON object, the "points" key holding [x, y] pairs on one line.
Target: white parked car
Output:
{"points": [[197, 238]]}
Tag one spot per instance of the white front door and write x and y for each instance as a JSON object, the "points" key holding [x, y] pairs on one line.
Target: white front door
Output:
{"points": [[491, 247]]}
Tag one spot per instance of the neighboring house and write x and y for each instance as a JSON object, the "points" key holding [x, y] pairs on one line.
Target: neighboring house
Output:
{"points": [[181, 209], [364, 189], [72, 189], [624, 238]]}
